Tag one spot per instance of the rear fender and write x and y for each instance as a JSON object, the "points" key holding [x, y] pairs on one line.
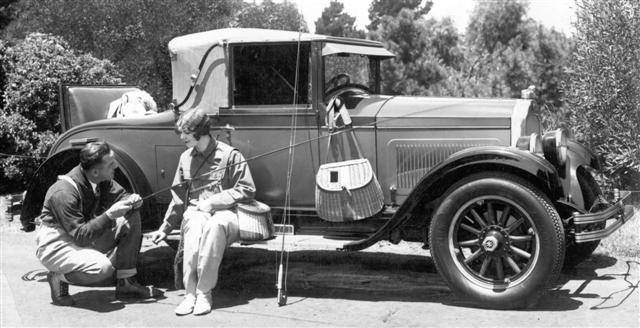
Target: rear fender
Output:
{"points": [[44, 177], [128, 175], [139, 185], [461, 164]]}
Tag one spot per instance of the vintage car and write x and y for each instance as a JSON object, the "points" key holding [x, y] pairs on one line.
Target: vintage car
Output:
{"points": [[501, 205]]}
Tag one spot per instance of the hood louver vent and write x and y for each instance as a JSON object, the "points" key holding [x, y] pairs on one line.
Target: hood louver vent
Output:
{"points": [[414, 158]]}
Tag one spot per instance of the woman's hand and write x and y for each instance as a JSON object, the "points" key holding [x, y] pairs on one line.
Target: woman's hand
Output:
{"points": [[202, 206], [158, 236]]}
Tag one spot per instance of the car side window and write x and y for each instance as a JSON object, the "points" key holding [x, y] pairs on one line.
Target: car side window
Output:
{"points": [[265, 74]]}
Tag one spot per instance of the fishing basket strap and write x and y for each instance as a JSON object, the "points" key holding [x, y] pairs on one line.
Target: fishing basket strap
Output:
{"points": [[339, 120]]}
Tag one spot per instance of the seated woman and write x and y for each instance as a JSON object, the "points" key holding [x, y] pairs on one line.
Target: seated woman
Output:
{"points": [[219, 180]]}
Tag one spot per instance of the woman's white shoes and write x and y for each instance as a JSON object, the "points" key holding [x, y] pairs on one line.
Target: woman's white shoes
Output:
{"points": [[203, 304], [186, 306], [197, 305]]}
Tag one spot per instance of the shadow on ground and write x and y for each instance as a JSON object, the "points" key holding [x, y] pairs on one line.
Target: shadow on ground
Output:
{"points": [[586, 272], [251, 273]]}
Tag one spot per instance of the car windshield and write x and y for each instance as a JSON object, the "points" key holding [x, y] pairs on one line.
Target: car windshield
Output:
{"points": [[350, 70]]}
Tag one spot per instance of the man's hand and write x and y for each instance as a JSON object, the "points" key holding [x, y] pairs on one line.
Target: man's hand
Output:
{"points": [[135, 201], [158, 236], [119, 209]]}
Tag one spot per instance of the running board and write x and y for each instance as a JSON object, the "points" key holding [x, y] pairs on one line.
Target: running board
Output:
{"points": [[293, 243]]}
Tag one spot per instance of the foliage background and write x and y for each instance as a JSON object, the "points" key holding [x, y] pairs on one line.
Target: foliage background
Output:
{"points": [[129, 37], [603, 86], [32, 71], [586, 82]]}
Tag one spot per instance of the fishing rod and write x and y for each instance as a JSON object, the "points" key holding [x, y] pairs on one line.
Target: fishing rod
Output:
{"points": [[246, 160], [268, 153], [283, 265]]}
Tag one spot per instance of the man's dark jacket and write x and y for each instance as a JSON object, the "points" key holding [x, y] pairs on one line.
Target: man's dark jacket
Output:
{"points": [[79, 212]]}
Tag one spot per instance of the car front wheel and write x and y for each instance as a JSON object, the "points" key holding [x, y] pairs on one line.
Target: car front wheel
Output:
{"points": [[497, 241]]}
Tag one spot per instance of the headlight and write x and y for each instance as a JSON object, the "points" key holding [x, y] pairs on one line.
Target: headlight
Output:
{"points": [[531, 143], [554, 145]]}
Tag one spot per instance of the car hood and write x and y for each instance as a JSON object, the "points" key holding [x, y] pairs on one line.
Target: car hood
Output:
{"points": [[439, 112]]}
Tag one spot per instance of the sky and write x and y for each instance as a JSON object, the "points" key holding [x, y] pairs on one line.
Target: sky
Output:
{"points": [[552, 13]]}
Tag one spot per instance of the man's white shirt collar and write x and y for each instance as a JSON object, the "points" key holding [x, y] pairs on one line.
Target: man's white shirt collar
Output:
{"points": [[93, 187]]}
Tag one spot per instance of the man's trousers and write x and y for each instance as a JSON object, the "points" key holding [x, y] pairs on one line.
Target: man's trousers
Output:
{"points": [[94, 265]]}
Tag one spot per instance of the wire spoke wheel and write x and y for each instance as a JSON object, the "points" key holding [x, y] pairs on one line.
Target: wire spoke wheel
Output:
{"points": [[494, 240], [497, 240]]}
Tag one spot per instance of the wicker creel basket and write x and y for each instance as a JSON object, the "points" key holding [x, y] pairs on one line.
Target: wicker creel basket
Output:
{"points": [[254, 219], [347, 191]]}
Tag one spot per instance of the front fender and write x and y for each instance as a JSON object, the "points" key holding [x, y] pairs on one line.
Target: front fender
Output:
{"points": [[535, 169], [490, 158]]}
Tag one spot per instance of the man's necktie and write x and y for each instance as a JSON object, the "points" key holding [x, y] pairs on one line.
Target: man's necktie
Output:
{"points": [[96, 203]]}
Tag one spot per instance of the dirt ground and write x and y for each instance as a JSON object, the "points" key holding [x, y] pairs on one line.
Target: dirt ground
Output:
{"points": [[387, 285]]}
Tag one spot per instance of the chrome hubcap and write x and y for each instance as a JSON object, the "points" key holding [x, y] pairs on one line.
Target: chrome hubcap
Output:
{"points": [[490, 244]]}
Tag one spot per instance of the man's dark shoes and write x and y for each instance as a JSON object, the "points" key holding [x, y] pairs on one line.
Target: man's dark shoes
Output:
{"points": [[59, 290], [130, 288]]}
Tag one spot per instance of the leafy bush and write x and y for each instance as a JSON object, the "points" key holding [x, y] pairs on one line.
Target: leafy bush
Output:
{"points": [[603, 86], [29, 119]]}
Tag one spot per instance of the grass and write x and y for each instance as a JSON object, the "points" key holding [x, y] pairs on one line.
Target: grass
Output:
{"points": [[623, 243]]}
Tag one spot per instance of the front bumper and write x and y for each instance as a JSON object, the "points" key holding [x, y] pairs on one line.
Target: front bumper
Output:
{"points": [[624, 210]]}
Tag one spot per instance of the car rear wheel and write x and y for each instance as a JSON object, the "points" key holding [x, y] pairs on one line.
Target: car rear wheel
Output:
{"points": [[497, 241]]}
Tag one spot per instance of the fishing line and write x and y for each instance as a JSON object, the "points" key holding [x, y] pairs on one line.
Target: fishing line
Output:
{"points": [[271, 152]]}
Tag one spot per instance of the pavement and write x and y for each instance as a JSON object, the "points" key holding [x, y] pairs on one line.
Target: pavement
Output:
{"points": [[379, 288]]}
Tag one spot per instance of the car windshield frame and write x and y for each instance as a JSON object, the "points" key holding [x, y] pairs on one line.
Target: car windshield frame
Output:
{"points": [[361, 69]]}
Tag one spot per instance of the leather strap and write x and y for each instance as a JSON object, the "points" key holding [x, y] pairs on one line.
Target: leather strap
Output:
{"points": [[73, 183]]}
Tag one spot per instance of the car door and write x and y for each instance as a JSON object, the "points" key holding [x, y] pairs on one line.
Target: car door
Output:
{"points": [[264, 114]]}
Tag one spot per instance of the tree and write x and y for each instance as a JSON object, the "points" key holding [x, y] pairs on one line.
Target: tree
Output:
{"points": [[425, 50], [551, 54], [335, 22], [7, 12], [380, 8], [505, 52], [271, 15], [415, 66], [497, 22], [29, 121], [497, 44], [132, 34], [603, 86]]}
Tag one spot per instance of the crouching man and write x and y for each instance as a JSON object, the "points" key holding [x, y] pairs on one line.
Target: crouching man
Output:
{"points": [[90, 230]]}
